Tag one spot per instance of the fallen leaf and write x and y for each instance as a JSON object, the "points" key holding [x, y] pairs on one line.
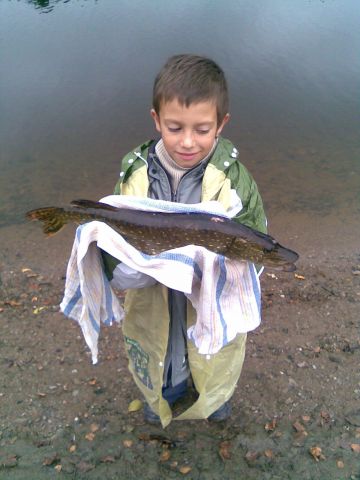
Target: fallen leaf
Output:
{"points": [[92, 381], [9, 462], [298, 427], [181, 435], [128, 443], [251, 456], [107, 459], [340, 464], [299, 438], [90, 436], [270, 426], [58, 468], [269, 453], [24, 270], [316, 453], [185, 469], [12, 303], [84, 467], [94, 427], [128, 428], [50, 460], [135, 405], [224, 450], [325, 416], [165, 455], [306, 418], [355, 447], [37, 310], [299, 277], [72, 448], [271, 275], [156, 438]]}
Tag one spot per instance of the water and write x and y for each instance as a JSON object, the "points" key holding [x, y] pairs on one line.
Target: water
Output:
{"points": [[76, 80]]}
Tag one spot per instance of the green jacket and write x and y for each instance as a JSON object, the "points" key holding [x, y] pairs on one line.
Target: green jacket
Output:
{"points": [[146, 323], [223, 173]]}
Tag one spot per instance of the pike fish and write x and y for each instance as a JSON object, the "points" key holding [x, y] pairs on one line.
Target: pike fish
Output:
{"points": [[156, 232]]}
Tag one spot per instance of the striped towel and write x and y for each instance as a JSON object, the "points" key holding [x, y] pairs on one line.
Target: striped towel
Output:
{"points": [[225, 293]]}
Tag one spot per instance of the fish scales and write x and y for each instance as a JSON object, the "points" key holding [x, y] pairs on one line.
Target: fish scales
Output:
{"points": [[155, 232]]}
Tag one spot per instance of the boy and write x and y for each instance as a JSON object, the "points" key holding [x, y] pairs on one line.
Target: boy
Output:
{"points": [[189, 164]]}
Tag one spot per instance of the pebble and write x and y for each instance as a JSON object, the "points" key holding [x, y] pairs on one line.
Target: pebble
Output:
{"points": [[335, 359]]}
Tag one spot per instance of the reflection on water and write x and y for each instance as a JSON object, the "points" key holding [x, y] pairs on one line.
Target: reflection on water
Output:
{"points": [[76, 84], [47, 6]]}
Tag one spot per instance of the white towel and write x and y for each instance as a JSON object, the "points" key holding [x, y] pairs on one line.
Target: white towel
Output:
{"points": [[225, 293]]}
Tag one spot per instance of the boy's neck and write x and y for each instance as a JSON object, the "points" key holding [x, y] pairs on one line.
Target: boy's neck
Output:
{"points": [[175, 171]]}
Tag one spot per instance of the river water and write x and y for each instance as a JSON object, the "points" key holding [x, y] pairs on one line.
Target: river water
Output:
{"points": [[76, 81]]}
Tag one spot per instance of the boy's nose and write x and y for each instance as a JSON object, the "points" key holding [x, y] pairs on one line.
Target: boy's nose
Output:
{"points": [[187, 140]]}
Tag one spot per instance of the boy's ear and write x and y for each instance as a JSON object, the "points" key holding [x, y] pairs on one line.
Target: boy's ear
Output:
{"points": [[223, 123], [156, 118]]}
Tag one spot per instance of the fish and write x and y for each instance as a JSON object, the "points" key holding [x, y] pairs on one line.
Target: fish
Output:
{"points": [[155, 232]]}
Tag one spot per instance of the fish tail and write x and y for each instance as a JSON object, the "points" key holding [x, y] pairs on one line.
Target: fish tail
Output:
{"points": [[54, 218]]}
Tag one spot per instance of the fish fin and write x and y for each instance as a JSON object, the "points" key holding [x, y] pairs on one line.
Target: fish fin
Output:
{"points": [[91, 204], [53, 218]]}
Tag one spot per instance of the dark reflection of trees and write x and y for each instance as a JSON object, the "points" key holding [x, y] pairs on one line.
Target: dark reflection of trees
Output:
{"points": [[46, 6]]}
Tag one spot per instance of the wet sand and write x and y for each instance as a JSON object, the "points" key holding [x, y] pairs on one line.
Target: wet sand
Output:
{"points": [[295, 411]]}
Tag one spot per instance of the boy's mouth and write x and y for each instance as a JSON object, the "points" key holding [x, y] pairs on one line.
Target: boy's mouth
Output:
{"points": [[187, 156]]}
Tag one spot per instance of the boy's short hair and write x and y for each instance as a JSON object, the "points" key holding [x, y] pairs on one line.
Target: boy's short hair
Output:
{"points": [[191, 79]]}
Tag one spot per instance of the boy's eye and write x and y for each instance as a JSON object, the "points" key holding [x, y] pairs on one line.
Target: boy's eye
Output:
{"points": [[178, 129]]}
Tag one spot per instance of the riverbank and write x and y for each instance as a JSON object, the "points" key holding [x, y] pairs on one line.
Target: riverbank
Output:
{"points": [[295, 411]]}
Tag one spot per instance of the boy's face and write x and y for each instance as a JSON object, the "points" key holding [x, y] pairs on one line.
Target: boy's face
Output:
{"points": [[189, 132]]}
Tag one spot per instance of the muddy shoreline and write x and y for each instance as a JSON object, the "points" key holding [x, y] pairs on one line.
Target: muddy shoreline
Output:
{"points": [[295, 411]]}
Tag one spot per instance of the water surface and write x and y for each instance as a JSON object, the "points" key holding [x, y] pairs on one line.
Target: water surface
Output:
{"points": [[76, 80]]}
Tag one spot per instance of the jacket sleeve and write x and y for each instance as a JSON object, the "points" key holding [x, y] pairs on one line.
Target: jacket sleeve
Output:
{"points": [[252, 213], [122, 276]]}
